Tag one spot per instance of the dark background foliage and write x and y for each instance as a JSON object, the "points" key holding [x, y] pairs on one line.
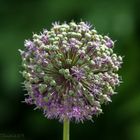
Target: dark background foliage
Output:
{"points": [[120, 19]]}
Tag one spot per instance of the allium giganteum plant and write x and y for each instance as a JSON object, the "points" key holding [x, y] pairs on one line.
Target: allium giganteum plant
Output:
{"points": [[70, 71]]}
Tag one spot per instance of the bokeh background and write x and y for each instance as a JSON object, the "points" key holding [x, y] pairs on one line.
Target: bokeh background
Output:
{"points": [[19, 19]]}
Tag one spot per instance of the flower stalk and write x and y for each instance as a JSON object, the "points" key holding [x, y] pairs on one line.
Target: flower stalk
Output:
{"points": [[66, 129]]}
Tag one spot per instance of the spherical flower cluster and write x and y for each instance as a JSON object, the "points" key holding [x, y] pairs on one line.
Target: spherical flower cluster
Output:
{"points": [[70, 71]]}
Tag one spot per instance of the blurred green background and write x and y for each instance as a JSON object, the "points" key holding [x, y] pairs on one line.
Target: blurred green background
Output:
{"points": [[120, 19]]}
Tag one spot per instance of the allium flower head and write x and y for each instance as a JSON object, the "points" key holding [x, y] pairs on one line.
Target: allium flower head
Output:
{"points": [[70, 71]]}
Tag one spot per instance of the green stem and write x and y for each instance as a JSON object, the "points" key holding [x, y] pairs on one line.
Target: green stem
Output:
{"points": [[66, 127]]}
